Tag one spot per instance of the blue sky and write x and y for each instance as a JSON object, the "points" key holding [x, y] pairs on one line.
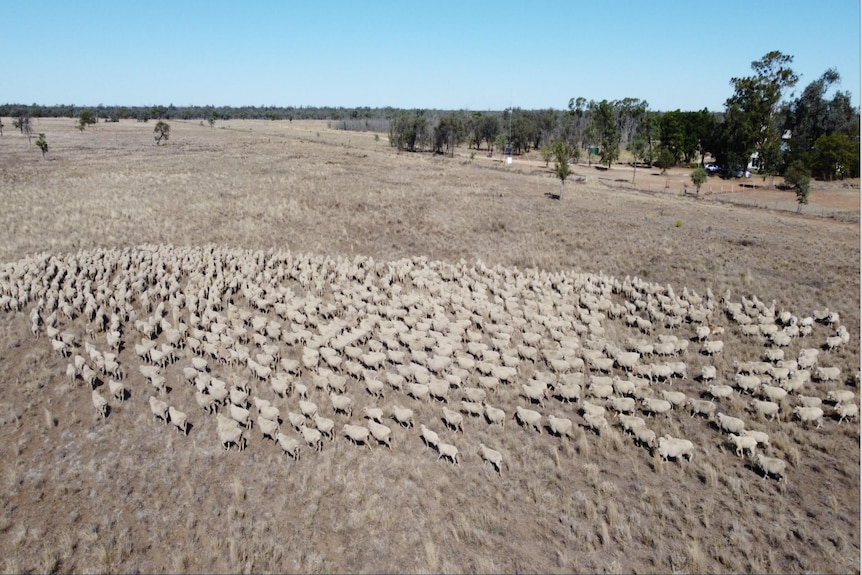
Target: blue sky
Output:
{"points": [[408, 54]]}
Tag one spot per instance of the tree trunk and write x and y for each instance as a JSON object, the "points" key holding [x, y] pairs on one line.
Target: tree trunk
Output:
{"points": [[562, 189]]}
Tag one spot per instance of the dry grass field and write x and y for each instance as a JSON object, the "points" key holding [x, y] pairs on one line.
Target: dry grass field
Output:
{"points": [[130, 494]]}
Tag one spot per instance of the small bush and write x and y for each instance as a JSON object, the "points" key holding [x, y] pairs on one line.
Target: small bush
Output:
{"points": [[679, 223]]}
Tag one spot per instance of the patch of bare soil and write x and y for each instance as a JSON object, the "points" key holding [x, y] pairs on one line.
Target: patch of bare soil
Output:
{"points": [[321, 221]]}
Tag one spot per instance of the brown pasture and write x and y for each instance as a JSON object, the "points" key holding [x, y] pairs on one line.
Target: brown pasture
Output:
{"points": [[80, 494]]}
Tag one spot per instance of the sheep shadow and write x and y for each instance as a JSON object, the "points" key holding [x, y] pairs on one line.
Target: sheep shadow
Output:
{"points": [[552, 196]]}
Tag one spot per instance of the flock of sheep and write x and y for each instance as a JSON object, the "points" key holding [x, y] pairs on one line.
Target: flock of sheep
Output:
{"points": [[290, 344]]}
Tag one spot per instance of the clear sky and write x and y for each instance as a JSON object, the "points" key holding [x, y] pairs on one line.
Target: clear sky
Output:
{"points": [[475, 55]]}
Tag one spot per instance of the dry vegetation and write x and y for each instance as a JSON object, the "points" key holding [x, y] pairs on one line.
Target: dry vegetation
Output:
{"points": [[130, 494]]}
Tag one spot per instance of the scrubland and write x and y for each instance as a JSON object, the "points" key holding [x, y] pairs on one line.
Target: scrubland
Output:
{"points": [[129, 494]]}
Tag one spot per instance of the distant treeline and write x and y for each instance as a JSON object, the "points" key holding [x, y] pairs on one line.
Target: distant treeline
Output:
{"points": [[171, 112]]}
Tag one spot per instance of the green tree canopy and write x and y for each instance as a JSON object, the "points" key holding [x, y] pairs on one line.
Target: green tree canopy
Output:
{"points": [[162, 131]]}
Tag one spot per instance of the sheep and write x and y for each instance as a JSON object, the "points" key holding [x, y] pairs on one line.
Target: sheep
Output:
{"points": [[382, 433], [528, 417], [720, 391], [179, 419], [773, 354], [492, 456], [495, 415], [374, 387], [700, 407], [419, 391], [656, 406], [475, 394], [559, 426], [708, 373], [238, 396], [747, 383], [742, 443], [296, 419], [324, 425], [846, 411], [241, 415], [341, 403], [676, 398], [622, 404], [808, 414], [568, 392], [159, 409], [592, 410], [374, 413], [729, 424], [270, 412], [761, 437], [772, 466], [100, 403], [645, 437], [839, 396], [402, 415], [117, 389], [535, 393], [438, 389], [312, 437], [809, 401], [205, 402], [630, 422], [289, 445], [672, 447], [229, 436], [453, 419], [90, 376], [449, 451], [429, 437], [280, 385], [772, 392], [768, 409], [597, 423]]}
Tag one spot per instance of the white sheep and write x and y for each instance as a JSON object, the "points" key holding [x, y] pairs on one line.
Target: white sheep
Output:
{"points": [[591, 409], [205, 402], [429, 437], [622, 404], [597, 423], [772, 392], [380, 432], [742, 443], [159, 409], [672, 447], [645, 437], [268, 427], [535, 393], [492, 456], [652, 405], [748, 383], [280, 385], [846, 411], [772, 466], [495, 415], [241, 415], [419, 391], [809, 401], [374, 413], [117, 389], [700, 407], [374, 387], [761, 437], [708, 373], [438, 389], [229, 436], [768, 409], [839, 396], [453, 419], [631, 422], [179, 419], [730, 424], [809, 414], [675, 398], [449, 451], [324, 425], [270, 412], [296, 419], [341, 403], [403, 415], [312, 437], [289, 445], [560, 426], [100, 403], [307, 408], [528, 417]]}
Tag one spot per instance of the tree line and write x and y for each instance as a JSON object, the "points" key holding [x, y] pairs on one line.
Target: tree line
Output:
{"points": [[816, 134]]}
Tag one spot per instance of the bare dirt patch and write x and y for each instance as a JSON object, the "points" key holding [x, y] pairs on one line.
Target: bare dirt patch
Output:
{"points": [[129, 493]]}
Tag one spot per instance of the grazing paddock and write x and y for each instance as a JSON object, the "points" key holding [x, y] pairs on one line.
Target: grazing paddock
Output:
{"points": [[288, 239]]}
